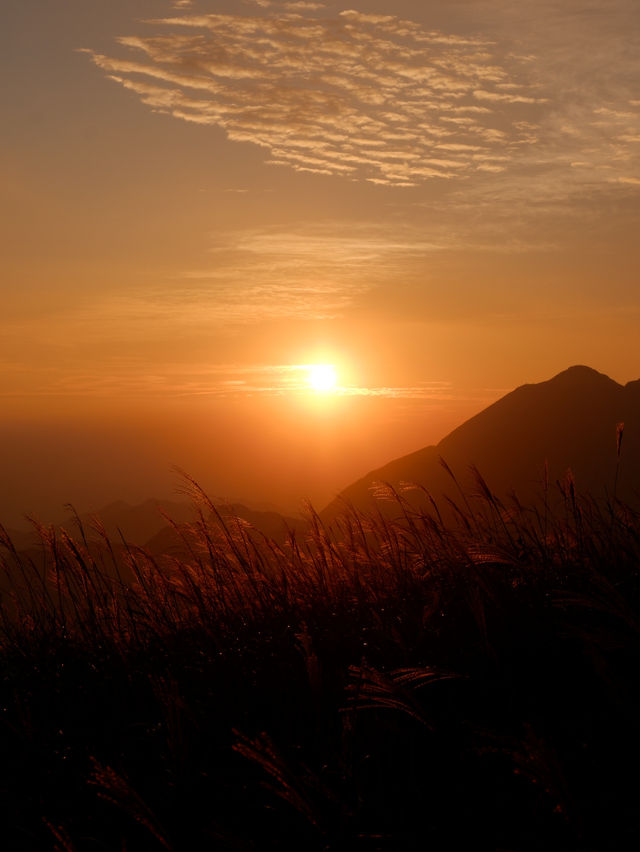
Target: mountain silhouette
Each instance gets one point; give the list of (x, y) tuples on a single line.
[(136, 524), (567, 423), (145, 524), (270, 524)]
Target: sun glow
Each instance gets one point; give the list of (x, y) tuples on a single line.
[(322, 378)]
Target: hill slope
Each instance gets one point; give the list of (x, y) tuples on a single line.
[(569, 421)]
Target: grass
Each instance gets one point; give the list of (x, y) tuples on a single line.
[(391, 683)]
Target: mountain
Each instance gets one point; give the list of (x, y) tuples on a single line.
[(145, 524), (136, 524), (568, 422), (271, 524), (23, 539)]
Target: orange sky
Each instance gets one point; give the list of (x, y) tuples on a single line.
[(440, 198)]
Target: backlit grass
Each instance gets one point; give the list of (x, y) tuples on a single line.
[(385, 684)]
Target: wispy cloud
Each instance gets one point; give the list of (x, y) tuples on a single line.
[(252, 276), (220, 381), (378, 98), (310, 272), (363, 96)]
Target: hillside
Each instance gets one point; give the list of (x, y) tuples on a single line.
[(568, 422)]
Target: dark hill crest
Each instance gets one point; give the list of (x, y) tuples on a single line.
[(566, 422)]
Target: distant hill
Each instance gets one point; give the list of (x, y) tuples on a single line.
[(271, 524), (569, 422), (146, 525), (138, 523)]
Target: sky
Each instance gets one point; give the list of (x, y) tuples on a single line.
[(201, 199)]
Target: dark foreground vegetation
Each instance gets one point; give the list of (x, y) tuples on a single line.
[(383, 685)]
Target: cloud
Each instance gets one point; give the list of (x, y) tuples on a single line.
[(362, 96), (500, 111), (313, 272), (280, 379), (222, 381), (253, 277)]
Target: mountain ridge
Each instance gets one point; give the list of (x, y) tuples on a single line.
[(566, 422)]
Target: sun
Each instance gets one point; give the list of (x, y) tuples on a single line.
[(322, 378)]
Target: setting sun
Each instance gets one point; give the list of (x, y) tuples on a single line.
[(323, 377)]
